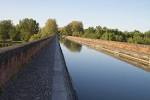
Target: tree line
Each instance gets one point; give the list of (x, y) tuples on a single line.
[(26, 30), (75, 28)]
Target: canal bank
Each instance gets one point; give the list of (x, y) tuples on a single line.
[(99, 76), (132, 53), (62, 87)]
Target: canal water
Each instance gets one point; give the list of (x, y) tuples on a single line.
[(98, 76)]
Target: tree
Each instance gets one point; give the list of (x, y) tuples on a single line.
[(14, 34), (147, 37), (50, 27), (35, 37), (76, 27), (147, 34), (65, 30), (90, 33), (136, 37), (27, 28), (5, 27), (108, 36), (99, 31), (119, 38)]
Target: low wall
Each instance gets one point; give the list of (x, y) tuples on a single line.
[(68, 80), (13, 58), (135, 52)]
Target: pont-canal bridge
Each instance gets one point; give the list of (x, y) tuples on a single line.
[(35, 71)]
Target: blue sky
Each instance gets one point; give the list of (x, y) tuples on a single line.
[(122, 14)]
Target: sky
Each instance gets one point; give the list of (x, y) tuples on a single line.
[(126, 15)]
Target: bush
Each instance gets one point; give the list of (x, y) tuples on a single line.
[(35, 37)]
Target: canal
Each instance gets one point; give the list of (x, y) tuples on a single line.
[(98, 76)]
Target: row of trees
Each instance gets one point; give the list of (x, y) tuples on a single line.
[(75, 28), (27, 29)]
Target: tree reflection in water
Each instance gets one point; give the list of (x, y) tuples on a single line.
[(72, 46)]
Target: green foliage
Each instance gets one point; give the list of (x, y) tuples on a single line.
[(35, 37), (49, 28), (147, 34), (89, 30), (14, 34), (27, 28), (65, 31), (99, 32), (147, 41), (108, 36), (5, 28), (130, 40), (120, 38), (136, 37), (105, 33), (147, 38), (92, 36), (90, 33), (75, 28)]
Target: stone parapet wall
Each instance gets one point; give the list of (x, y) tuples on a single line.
[(14, 57)]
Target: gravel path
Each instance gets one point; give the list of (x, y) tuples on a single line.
[(34, 81)]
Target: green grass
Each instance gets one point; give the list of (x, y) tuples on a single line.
[(9, 43)]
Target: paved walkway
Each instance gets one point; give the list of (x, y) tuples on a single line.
[(44, 78), (62, 86)]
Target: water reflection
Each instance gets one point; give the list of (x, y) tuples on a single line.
[(145, 67), (72, 46), (99, 76)]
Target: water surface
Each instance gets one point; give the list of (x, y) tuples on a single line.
[(97, 76)]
